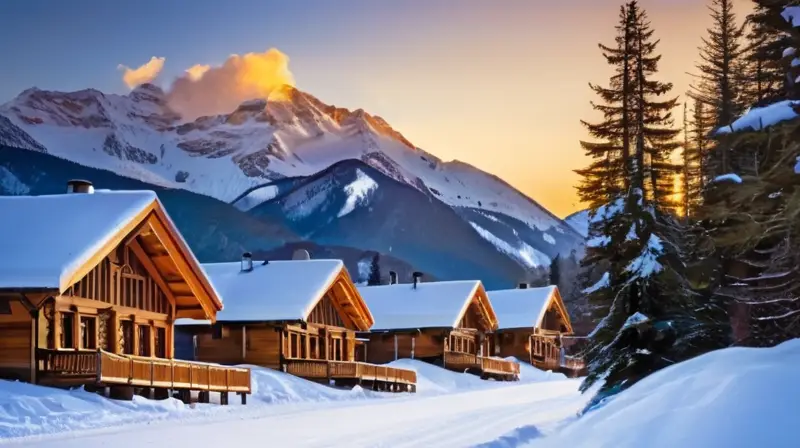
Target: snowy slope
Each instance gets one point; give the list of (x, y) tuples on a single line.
[(736, 397), (442, 414), (138, 135), (579, 221)]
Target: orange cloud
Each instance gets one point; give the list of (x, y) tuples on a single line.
[(197, 71), (145, 73), (204, 90)]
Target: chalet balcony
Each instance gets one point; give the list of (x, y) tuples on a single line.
[(485, 366), (350, 373), (103, 369), (563, 356)]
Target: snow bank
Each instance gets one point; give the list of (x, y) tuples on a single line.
[(28, 410), (432, 379), (737, 397), (530, 374)]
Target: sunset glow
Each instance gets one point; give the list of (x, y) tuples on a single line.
[(502, 88)]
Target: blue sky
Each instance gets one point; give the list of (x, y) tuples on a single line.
[(500, 84)]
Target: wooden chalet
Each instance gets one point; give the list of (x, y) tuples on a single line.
[(298, 316), (534, 326), (90, 286), (445, 323)]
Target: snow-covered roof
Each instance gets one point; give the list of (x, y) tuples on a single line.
[(523, 308), (44, 240), (429, 305), (277, 291), (52, 240)]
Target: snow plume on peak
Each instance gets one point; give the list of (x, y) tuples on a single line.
[(205, 90), (357, 192), (145, 73)]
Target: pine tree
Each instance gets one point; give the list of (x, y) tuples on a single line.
[(722, 57), (697, 128), (608, 174), (719, 87), (765, 77), (755, 224), (634, 236), (555, 270), (656, 136), (375, 271)]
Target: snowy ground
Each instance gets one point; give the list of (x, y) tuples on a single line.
[(449, 410), (730, 398)]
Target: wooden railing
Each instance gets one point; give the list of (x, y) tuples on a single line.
[(459, 361), (320, 368), (499, 365), (68, 364), (109, 368), (573, 363)]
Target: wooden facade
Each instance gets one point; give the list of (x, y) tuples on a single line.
[(321, 346), (543, 342), (110, 324), (467, 347)]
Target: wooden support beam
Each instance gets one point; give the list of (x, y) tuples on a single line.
[(244, 343), (151, 269), (192, 278)]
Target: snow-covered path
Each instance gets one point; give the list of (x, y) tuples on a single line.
[(502, 415)]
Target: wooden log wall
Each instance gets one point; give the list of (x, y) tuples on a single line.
[(121, 280)]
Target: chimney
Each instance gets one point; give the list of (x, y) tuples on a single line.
[(79, 186), (247, 262), (392, 278), (523, 286), (301, 254), (416, 276)]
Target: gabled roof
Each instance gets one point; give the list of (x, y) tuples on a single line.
[(282, 291), (429, 305), (526, 308), (50, 242)]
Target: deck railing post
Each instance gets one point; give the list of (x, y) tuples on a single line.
[(99, 366)]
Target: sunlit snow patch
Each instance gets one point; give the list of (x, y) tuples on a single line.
[(549, 238), (357, 192), (257, 197), (525, 253)]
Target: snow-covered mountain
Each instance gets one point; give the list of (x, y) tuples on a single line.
[(579, 221), (265, 148)]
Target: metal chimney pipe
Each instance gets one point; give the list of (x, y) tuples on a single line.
[(79, 186), (247, 262), (417, 276)]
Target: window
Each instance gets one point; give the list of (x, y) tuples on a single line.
[(126, 341), (88, 332), (5, 305), (161, 342), (216, 331), (144, 340), (314, 347), (67, 330), (293, 348), (303, 353)]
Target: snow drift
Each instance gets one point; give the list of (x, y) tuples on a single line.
[(736, 397)]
